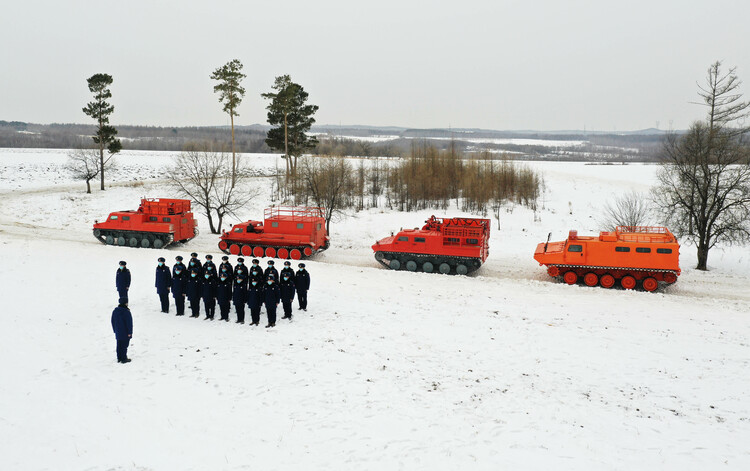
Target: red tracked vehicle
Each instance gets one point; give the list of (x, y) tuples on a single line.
[(286, 232), (630, 254), (157, 223), (444, 245)]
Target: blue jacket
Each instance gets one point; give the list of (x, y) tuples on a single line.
[(255, 296), (122, 322), (271, 271), (239, 292), (224, 291), (302, 280), (287, 291), (179, 285), (195, 264), (287, 271), (122, 280), (193, 288), (163, 279), (208, 288), (271, 295), (179, 265), (228, 266)]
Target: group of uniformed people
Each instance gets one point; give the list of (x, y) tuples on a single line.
[(225, 285)]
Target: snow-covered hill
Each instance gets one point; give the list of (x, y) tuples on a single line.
[(504, 369)]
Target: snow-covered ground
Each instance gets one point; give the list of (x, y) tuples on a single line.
[(504, 369)]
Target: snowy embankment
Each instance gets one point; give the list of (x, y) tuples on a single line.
[(505, 369)]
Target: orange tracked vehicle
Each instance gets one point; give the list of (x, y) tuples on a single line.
[(286, 232), (630, 254), (446, 245), (156, 223)]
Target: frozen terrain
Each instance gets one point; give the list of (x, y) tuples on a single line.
[(504, 369)]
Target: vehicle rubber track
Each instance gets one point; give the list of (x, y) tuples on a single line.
[(276, 248), (428, 263), (156, 240), (621, 271)]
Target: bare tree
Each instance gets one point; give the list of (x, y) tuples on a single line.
[(631, 209), (85, 164), (704, 181), (205, 176), (327, 181)]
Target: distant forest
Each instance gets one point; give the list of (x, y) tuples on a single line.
[(363, 141)]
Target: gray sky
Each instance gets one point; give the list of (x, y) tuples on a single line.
[(545, 65)]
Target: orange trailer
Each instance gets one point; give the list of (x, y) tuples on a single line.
[(630, 254)]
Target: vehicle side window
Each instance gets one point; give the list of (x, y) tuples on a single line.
[(300, 225), (663, 250), (419, 239), (472, 241), (153, 218), (403, 239), (622, 249), (452, 240), (113, 218), (319, 226), (166, 219), (575, 248), (126, 218), (643, 249), (274, 224), (237, 229)]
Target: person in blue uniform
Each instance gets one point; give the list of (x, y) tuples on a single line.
[(122, 280), (302, 282), (271, 298), (195, 264), (163, 284), (271, 270), (210, 267), (239, 297), (256, 272), (288, 270), (208, 292), (255, 300), (240, 268), (194, 290), (179, 265), (179, 289), (122, 325), (286, 288), (226, 267), (224, 295)]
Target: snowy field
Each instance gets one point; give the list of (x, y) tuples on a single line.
[(503, 369)]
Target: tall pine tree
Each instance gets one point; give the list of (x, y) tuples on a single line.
[(100, 110), (230, 93), (289, 111)]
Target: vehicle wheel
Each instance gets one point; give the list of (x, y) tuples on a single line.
[(270, 252), (258, 252), (570, 277), (234, 249), (395, 264), (246, 250), (308, 251), (133, 242), (607, 281), (158, 243), (121, 241), (110, 240), (295, 254), (553, 271), (670, 278), (461, 269), (283, 253), (223, 245), (428, 267), (628, 282), (444, 268), (97, 233), (650, 284), (145, 243), (411, 265), (590, 279)]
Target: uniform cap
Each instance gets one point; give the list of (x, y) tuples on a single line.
[(301, 265), (161, 259), (240, 259), (225, 258), (122, 262), (255, 260), (287, 263), (270, 262), (209, 256), (178, 258), (193, 254)]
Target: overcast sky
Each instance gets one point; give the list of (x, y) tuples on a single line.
[(544, 65)]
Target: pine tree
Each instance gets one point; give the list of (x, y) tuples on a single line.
[(230, 94), (100, 110), (293, 117)]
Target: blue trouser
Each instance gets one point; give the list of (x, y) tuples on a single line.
[(302, 298), (122, 348), (271, 311), (164, 298), (123, 293), (179, 304)]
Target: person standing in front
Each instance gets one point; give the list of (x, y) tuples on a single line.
[(271, 298), (163, 284), (302, 282), (122, 280), (208, 291), (255, 300), (179, 289), (122, 325), (224, 295), (239, 297), (286, 288), (194, 290)]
